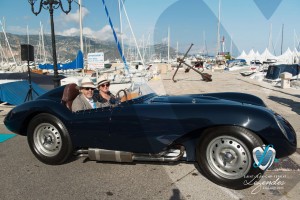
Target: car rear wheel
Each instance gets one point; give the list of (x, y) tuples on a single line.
[(49, 139), (224, 154)]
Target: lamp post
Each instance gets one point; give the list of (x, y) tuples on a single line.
[(51, 5)]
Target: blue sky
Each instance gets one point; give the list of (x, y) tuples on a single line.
[(247, 23)]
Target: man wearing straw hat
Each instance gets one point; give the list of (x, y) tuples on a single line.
[(85, 100)]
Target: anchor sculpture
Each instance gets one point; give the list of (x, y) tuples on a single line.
[(205, 76)]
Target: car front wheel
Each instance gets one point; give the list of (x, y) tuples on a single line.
[(224, 154), (49, 139)]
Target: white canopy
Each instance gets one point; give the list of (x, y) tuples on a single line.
[(288, 57), (267, 55)]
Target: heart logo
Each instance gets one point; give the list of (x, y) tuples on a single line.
[(263, 156), (267, 7)]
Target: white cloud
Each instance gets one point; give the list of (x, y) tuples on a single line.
[(104, 34), (22, 30), (73, 17), (69, 32)]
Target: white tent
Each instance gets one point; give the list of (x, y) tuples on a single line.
[(296, 56), (242, 56), (287, 57), (257, 55), (267, 55), (252, 56)]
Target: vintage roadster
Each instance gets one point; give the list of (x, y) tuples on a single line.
[(216, 130)]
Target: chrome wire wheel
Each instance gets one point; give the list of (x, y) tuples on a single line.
[(228, 157), (47, 139)]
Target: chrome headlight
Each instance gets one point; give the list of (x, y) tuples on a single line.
[(279, 123), (285, 127)]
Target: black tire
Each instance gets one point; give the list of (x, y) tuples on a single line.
[(234, 145), (49, 139)]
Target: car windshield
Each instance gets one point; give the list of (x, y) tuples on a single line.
[(135, 89), (142, 89)]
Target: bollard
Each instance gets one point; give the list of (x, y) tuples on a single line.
[(285, 80)]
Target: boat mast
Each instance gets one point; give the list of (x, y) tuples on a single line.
[(2, 49), (3, 53), (282, 37), (271, 46), (43, 43), (223, 44), (270, 37), (177, 50), (218, 36), (27, 35), (143, 45), (169, 44), (8, 43), (80, 25), (121, 26), (148, 46), (134, 38), (38, 50), (230, 46), (296, 41)]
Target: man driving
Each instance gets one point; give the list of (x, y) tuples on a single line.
[(85, 99)]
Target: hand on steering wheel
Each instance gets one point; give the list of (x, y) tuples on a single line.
[(118, 95)]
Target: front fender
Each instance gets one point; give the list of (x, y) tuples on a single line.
[(19, 117), (260, 120)]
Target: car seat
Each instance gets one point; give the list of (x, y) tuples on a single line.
[(69, 94)]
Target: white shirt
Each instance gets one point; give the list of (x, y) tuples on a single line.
[(92, 102)]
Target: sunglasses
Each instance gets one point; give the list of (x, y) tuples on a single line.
[(105, 85), (87, 88)]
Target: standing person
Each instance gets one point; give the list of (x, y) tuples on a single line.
[(106, 98), (85, 99)]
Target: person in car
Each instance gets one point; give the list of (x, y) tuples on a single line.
[(105, 97), (85, 100)]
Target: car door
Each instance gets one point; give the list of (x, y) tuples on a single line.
[(143, 127), (90, 128), (124, 127)]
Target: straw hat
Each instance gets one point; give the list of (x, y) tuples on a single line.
[(86, 82), (102, 81)]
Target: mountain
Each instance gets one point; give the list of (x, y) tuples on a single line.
[(68, 46)]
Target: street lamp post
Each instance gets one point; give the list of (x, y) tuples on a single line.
[(51, 5)]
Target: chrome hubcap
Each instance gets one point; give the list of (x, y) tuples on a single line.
[(228, 157), (47, 139)]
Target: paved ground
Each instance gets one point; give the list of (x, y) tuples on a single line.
[(24, 177)]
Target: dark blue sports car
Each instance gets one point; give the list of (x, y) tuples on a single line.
[(218, 130)]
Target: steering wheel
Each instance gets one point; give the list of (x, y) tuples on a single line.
[(118, 95)]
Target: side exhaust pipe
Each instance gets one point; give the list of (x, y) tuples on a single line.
[(163, 158), (105, 155), (122, 156)]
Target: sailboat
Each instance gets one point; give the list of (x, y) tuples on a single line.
[(75, 65), (10, 66)]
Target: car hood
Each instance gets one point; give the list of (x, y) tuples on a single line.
[(226, 97)]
